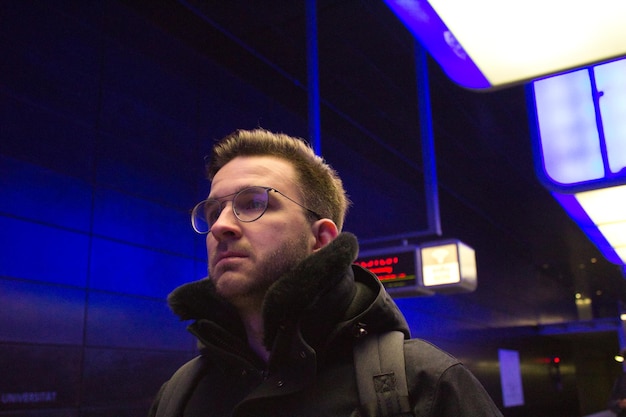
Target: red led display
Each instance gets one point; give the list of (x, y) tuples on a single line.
[(393, 270)]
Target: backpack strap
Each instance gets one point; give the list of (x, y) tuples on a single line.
[(381, 375), (178, 389)]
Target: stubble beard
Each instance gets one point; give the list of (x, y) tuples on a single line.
[(250, 292)]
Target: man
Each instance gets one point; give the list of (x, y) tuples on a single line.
[(283, 305)]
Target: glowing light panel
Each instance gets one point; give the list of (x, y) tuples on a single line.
[(570, 143), (611, 81), (488, 43), (581, 124), (606, 208)]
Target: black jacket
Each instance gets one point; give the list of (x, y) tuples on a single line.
[(312, 316)]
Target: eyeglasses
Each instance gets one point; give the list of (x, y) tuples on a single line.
[(248, 205)]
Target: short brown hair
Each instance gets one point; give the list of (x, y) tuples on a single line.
[(321, 188)]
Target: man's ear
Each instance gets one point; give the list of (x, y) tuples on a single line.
[(325, 231)]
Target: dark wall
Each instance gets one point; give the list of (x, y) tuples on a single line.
[(104, 121)]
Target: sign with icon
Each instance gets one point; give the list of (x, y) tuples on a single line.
[(448, 266), (437, 267)]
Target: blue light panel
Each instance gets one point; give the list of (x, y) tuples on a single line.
[(611, 81), (581, 133), (570, 145)]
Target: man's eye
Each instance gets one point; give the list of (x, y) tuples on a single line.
[(253, 204), (212, 213)]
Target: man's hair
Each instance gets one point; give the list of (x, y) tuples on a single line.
[(321, 188)]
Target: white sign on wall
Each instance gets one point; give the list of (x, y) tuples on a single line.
[(511, 378)]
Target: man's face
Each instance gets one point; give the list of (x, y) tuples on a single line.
[(246, 258)]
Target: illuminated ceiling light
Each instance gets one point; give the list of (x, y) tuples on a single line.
[(488, 43), (618, 358), (606, 208), (622, 317), (605, 205), (580, 150)]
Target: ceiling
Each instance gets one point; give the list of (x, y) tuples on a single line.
[(368, 85)]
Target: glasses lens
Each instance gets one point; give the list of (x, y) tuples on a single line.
[(204, 215), (250, 204)]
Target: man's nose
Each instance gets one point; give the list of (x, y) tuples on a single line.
[(226, 223)]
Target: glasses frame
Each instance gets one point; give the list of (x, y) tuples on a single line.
[(221, 203)]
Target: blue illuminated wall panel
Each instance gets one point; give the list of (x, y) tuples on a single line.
[(130, 269), (38, 313), (128, 322), (54, 142), (141, 222), (146, 171), (33, 192), (38, 252)]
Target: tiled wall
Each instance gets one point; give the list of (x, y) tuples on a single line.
[(102, 121)]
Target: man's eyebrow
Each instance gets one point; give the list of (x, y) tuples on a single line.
[(243, 187)]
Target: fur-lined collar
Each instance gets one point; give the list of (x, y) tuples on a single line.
[(297, 293)]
